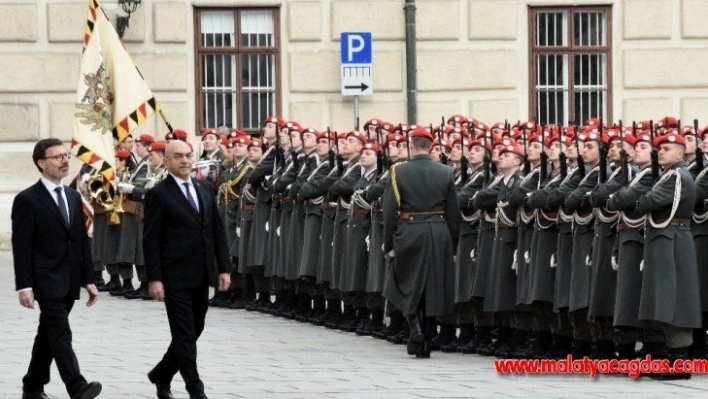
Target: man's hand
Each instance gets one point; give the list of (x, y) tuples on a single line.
[(224, 281), (93, 294), (157, 291), (27, 298)]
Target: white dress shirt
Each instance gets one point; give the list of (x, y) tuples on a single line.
[(192, 190)]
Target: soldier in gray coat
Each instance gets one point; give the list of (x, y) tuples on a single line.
[(578, 202), (421, 229), (343, 189), (670, 291), (630, 252)]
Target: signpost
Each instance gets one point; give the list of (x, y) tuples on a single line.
[(356, 55)]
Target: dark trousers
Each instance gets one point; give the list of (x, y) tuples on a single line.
[(186, 313), (53, 342)]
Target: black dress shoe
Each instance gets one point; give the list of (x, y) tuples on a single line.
[(34, 395), (88, 391), (164, 390), (198, 396)]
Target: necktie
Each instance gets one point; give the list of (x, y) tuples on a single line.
[(190, 198), (62, 206)]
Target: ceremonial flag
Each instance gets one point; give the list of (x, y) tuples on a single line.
[(112, 97)]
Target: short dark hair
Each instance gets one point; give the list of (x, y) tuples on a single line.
[(40, 150), (422, 143)]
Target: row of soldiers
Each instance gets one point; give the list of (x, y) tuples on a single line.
[(555, 226)]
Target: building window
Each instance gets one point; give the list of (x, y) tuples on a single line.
[(570, 64), (237, 59)]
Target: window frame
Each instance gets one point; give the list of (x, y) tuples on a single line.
[(571, 50), (237, 51)]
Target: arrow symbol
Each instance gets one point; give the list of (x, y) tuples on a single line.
[(361, 86)]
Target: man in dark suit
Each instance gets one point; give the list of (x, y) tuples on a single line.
[(52, 259), (185, 251)]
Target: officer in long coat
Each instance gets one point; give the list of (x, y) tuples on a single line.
[(247, 204), (313, 197), (578, 202), (539, 290), (343, 189), (259, 242), (630, 252), (670, 290), (421, 228)]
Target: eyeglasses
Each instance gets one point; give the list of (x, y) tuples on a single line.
[(59, 157)]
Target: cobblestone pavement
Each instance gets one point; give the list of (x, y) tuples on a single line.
[(252, 355)]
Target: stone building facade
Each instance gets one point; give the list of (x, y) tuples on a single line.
[(475, 57)]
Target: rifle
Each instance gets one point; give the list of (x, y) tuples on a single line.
[(379, 155), (580, 162), (443, 157), (408, 138), (699, 152), (624, 162), (562, 157), (603, 157), (330, 153), (544, 159), (654, 153), (487, 162), (527, 164), (277, 148)]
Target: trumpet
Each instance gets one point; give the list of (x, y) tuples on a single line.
[(99, 194), (120, 201), (207, 168)]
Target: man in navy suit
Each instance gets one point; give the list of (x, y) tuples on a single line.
[(52, 260), (185, 251)]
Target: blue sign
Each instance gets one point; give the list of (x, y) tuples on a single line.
[(356, 47)]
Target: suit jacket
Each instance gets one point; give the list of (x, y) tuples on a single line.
[(53, 260), (179, 243)]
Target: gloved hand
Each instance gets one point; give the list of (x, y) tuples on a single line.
[(150, 182), (368, 243), (615, 265), (238, 232), (85, 178), (125, 188)]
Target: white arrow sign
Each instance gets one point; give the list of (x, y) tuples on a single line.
[(357, 80)]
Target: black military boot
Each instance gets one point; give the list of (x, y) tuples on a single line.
[(626, 351), (304, 307), (603, 350), (697, 350), (581, 349), (482, 338), (674, 354), (395, 325), (416, 337), (319, 307), (137, 294), (363, 317), (508, 349), (334, 310), (504, 335), (112, 284), (446, 336), (349, 316), (377, 321), (346, 316), (98, 278), (401, 337), (276, 308), (560, 349), (124, 289), (542, 344), (466, 335)]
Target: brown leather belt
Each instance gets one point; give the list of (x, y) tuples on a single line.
[(621, 226), (673, 222), (551, 215), (504, 226), (248, 207), (286, 200), (326, 206), (410, 215), (358, 211), (310, 203), (277, 196)]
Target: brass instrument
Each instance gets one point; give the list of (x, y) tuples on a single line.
[(98, 193), (207, 168), (120, 201)]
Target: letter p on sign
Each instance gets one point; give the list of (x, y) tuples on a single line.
[(356, 47)]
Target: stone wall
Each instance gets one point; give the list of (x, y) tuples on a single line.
[(472, 59)]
